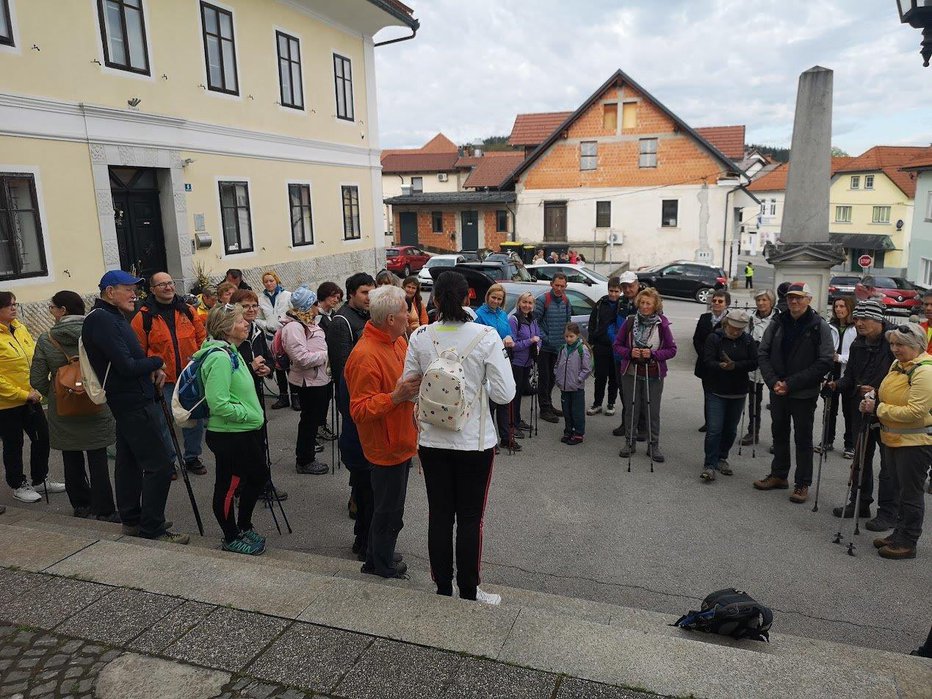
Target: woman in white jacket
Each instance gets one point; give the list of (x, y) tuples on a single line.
[(458, 465), (843, 334), (765, 300), (274, 303), (306, 346)]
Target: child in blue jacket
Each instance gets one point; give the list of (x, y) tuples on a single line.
[(574, 364)]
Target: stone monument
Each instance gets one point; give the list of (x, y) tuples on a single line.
[(803, 252)]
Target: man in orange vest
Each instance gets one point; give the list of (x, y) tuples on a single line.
[(169, 328)]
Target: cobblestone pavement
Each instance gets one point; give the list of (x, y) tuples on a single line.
[(57, 635)]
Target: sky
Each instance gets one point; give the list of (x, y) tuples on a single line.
[(475, 64)]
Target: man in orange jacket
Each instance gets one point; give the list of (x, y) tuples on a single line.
[(169, 328), (381, 407)]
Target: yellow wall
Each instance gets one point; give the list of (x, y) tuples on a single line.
[(862, 201), (67, 33)]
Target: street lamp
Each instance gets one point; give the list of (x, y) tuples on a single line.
[(918, 14)]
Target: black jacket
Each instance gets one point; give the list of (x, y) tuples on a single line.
[(704, 328), (109, 340), (806, 362), (255, 345), (603, 315), (868, 364), (742, 351), (342, 336)]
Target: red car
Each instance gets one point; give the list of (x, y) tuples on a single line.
[(405, 259)]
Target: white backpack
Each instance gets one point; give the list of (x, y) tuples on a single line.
[(441, 399), (93, 387)]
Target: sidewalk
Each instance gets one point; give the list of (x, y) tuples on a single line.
[(84, 609)]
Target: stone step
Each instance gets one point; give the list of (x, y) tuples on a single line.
[(593, 640)]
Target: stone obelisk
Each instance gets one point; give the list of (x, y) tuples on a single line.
[(804, 252)]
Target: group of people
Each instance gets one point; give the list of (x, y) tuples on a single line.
[(572, 257)]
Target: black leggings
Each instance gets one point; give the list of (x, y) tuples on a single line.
[(605, 372), (241, 463), (25, 419), (457, 489), (315, 402), (98, 494)]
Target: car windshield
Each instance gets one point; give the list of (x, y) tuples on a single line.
[(844, 281), (885, 283), (391, 252), (595, 275), (441, 262), (520, 274)]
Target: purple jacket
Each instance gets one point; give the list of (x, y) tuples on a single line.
[(622, 346), (573, 367), (522, 333)]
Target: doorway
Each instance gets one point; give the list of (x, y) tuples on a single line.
[(470, 222), (138, 219), (408, 221), (555, 221)]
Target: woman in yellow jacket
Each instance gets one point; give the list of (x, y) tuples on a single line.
[(21, 409), (904, 409)]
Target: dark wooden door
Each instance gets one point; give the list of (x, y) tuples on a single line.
[(138, 218), (408, 228), (555, 221), (470, 221)]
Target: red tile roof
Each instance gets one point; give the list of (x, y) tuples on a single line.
[(728, 139), (889, 160), (397, 163), (439, 144), (533, 129), (775, 180), (494, 168)]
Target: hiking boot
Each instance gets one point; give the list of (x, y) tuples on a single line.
[(565, 439), (877, 525), (400, 571), (510, 446), (800, 494), (896, 552), (315, 468), (83, 512), (818, 449), (113, 517), (847, 512), (26, 493), (518, 434), (295, 403), (574, 440), (707, 475), (488, 597), (318, 447), (133, 529), (771, 482), (196, 466), (627, 450), (748, 439), (253, 536), (619, 431), (724, 467), (655, 454), (557, 412), (847, 454), (594, 410), (171, 537), (524, 426), (549, 416), (324, 432), (609, 410), (282, 402), (641, 437), (244, 546), (882, 541)]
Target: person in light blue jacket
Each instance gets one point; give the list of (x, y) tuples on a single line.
[(492, 313), (574, 364)]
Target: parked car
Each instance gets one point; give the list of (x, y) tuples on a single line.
[(450, 261), (404, 259), (577, 276), (685, 278), (500, 271), (472, 255), (900, 297)]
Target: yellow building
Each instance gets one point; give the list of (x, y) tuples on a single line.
[(173, 134), (871, 209)]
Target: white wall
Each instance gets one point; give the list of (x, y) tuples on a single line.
[(760, 229)]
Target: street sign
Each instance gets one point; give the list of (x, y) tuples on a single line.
[(865, 261)]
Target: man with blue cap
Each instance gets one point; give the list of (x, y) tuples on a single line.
[(143, 471)]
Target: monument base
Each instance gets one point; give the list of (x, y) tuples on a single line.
[(806, 262)]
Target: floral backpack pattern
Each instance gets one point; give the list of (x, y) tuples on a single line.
[(442, 396)]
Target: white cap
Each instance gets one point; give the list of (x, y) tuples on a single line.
[(628, 278)]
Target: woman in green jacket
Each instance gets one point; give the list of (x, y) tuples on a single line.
[(74, 435), (234, 428)]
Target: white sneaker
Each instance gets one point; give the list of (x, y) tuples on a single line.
[(594, 410), (488, 597), (610, 410), (51, 486), (26, 493)]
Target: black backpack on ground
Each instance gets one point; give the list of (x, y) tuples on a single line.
[(730, 612)]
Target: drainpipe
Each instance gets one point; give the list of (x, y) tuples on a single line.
[(514, 223), (725, 225), (399, 39)]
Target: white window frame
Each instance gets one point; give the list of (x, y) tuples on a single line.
[(647, 157), (420, 188), (877, 214), (35, 171), (234, 179), (773, 207), (855, 182), (868, 181), (588, 155), (358, 236), (843, 209), (310, 187)]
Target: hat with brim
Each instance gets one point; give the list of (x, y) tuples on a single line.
[(628, 278), (117, 277), (737, 319), (798, 289)]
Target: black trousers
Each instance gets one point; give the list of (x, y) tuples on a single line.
[(143, 472), (749, 282), (241, 465), (98, 494), (605, 372), (315, 401), (848, 409), (361, 483), (281, 378), (502, 416), (389, 489), (801, 413), (546, 365), (910, 465), (888, 489), (520, 374), (28, 419), (457, 490)]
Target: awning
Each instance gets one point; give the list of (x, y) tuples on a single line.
[(863, 241), (495, 197)]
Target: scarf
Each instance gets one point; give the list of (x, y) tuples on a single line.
[(304, 317), (643, 327), (716, 319), (273, 295)]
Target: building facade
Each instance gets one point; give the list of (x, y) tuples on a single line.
[(919, 264), (183, 134)]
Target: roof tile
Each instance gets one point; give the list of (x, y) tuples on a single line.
[(728, 139), (494, 168), (889, 160), (533, 129), (396, 163)]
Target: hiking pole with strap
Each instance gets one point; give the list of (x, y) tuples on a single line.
[(333, 432), (860, 485), (650, 427), (844, 503), (755, 425), (179, 458), (270, 493), (826, 414), (741, 429), (631, 421)]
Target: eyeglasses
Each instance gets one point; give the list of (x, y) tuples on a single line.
[(52, 306), (718, 300), (250, 306), (164, 285)]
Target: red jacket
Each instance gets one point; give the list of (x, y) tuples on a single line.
[(158, 342), (386, 431)]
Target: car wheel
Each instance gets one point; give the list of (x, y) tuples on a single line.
[(406, 272), (703, 294)]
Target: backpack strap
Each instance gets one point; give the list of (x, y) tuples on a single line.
[(61, 349), (473, 344)]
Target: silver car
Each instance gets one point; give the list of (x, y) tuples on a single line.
[(427, 282)]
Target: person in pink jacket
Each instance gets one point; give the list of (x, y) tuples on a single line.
[(309, 375)]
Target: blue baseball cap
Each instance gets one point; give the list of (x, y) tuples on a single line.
[(117, 277)]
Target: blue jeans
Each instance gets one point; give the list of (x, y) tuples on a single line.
[(574, 412), (193, 436), (722, 417)]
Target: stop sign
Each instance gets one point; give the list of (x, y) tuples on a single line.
[(865, 261)]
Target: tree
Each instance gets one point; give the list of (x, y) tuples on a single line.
[(496, 143), (839, 153)]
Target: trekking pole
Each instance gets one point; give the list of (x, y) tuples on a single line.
[(271, 493), (535, 403), (630, 432), (179, 458), (333, 432), (865, 437), (826, 412), (650, 427), (857, 449), (741, 429)]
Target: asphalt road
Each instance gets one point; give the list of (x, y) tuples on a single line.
[(572, 521)]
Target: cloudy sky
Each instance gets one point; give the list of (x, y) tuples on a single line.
[(477, 63)]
